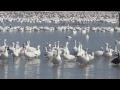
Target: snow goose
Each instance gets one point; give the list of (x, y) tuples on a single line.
[(4, 54), (2, 48), (108, 54), (57, 59), (68, 57), (48, 54), (75, 49), (29, 55), (99, 52), (83, 59), (65, 49)]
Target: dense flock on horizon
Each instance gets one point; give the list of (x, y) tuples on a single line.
[(56, 20), (37, 16)]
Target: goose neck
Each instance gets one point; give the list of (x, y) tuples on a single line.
[(75, 43), (46, 50)]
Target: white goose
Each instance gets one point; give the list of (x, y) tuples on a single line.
[(48, 54), (29, 48), (58, 48), (80, 50), (117, 42), (65, 49), (107, 47), (107, 54), (49, 46), (68, 57), (16, 52), (55, 46), (2, 48), (29, 55), (83, 59), (4, 54), (57, 59), (115, 52), (99, 52), (17, 45), (75, 49)]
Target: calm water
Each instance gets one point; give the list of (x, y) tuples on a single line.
[(42, 69)]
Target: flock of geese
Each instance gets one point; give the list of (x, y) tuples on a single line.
[(57, 54), (16, 50), (58, 16), (74, 29)]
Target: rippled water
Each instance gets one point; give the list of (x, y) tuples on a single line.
[(42, 69)]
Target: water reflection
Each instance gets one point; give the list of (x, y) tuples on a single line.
[(16, 66), (32, 69), (88, 72), (6, 71), (56, 71), (69, 65)]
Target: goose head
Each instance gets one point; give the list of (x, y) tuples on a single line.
[(17, 42), (67, 43), (13, 43), (28, 42), (106, 44), (38, 47), (58, 45)]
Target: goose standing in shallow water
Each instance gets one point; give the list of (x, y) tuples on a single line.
[(57, 59), (83, 59), (48, 54), (108, 54), (69, 57), (29, 55), (28, 47), (80, 50), (65, 49), (4, 54), (75, 49), (2, 48), (99, 52)]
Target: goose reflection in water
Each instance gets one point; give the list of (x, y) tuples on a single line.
[(29, 66), (88, 72), (16, 65), (56, 71), (5, 71)]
